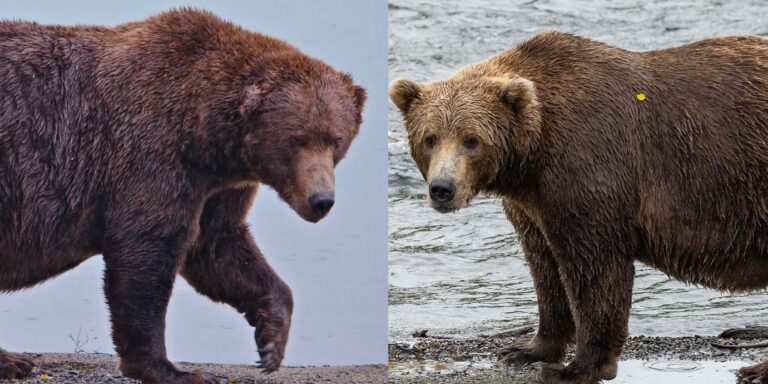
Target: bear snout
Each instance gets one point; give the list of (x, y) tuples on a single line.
[(321, 202), (442, 190)]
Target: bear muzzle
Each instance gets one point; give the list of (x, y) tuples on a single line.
[(321, 202), (442, 190)]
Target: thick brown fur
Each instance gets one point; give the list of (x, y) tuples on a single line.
[(594, 178), (146, 142)]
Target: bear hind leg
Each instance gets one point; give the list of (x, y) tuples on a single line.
[(14, 366), (138, 279)]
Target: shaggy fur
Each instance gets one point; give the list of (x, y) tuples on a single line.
[(146, 143), (594, 176)]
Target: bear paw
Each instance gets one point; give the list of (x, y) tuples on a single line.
[(14, 366), (271, 337), (273, 324), (549, 373), (757, 373), (530, 352), (271, 357)]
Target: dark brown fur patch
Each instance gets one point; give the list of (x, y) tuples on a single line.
[(654, 156), (145, 142)]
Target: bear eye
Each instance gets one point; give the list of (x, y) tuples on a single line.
[(298, 141), (430, 141), (471, 142), (337, 142)]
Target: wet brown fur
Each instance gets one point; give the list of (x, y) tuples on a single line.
[(677, 181), (146, 142)]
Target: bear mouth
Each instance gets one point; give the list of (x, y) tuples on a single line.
[(446, 207), (305, 210), (310, 215)]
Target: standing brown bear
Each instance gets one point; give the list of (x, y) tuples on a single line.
[(602, 157), (146, 143)]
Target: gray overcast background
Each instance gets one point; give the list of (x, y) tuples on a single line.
[(337, 268)]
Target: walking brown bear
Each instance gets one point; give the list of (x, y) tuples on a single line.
[(146, 143), (602, 157)]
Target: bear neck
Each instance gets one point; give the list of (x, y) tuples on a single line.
[(518, 176)]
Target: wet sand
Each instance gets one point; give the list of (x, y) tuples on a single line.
[(83, 368), (659, 360)]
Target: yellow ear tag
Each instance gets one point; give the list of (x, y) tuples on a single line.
[(45, 377), (640, 96)]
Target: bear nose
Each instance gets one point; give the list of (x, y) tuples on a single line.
[(442, 190), (321, 202)]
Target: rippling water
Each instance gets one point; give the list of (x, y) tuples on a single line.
[(464, 273)]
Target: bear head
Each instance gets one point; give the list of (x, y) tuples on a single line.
[(298, 124), (469, 134), (284, 120)]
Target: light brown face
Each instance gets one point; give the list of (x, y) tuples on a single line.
[(462, 133), (299, 132), (451, 177)]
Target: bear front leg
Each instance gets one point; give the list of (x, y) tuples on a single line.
[(556, 327), (598, 280), (139, 277), (226, 265)]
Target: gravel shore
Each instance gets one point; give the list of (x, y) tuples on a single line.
[(101, 369), (472, 360)]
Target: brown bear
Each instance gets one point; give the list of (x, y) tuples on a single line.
[(146, 143), (604, 156)]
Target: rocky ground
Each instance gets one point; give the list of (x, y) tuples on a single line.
[(440, 359), (101, 369)]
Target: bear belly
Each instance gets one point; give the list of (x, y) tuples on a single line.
[(716, 240), (45, 251), (26, 274), (731, 268)]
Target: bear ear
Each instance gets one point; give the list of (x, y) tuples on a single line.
[(252, 98), (360, 97), (403, 93), (520, 95)]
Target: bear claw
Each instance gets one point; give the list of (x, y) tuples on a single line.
[(529, 352), (548, 372), (516, 354), (269, 362)]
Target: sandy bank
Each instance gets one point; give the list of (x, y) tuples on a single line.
[(100, 369)]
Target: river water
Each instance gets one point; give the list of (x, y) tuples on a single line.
[(464, 273)]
